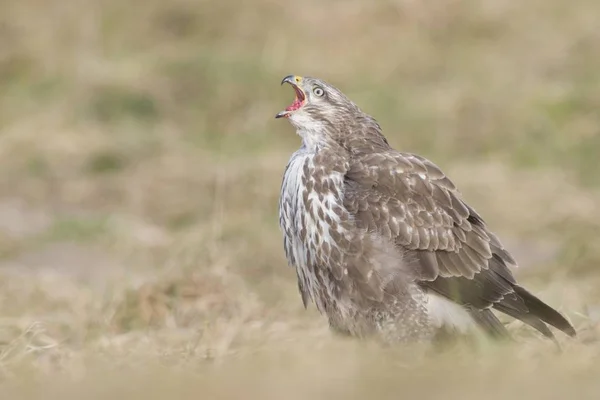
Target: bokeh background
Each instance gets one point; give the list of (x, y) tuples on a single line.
[(140, 167)]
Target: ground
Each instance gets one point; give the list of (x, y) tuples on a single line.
[(141, 164)]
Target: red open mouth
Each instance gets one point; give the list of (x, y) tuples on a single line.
[(296, 105), (298, 101)]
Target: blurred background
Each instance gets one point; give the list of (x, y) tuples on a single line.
[(140, 168)]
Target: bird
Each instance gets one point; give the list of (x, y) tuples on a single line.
[(382, 241)]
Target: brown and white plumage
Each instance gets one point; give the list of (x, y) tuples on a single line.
[(381, 240)]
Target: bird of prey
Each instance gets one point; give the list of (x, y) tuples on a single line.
[(382, 241)]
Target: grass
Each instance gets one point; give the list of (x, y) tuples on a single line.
[(141, 163)]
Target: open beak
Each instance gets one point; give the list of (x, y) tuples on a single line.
[(300, 99)]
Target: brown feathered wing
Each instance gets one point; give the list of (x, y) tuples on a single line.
[(408, 200)]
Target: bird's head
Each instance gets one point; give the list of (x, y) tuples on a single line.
[(323, 115), (317, 104)]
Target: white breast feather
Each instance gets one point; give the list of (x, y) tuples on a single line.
[(292, 207)]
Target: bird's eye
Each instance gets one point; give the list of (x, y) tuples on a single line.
[(318, 91)]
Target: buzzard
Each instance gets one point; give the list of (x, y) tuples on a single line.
[(382, 241)]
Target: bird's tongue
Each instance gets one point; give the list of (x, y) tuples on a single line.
[(295, 105)]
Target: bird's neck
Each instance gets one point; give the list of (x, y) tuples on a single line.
[(354, 134), (315, 140), (366, 136)]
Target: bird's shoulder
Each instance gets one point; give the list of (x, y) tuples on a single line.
[(372, 168)]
